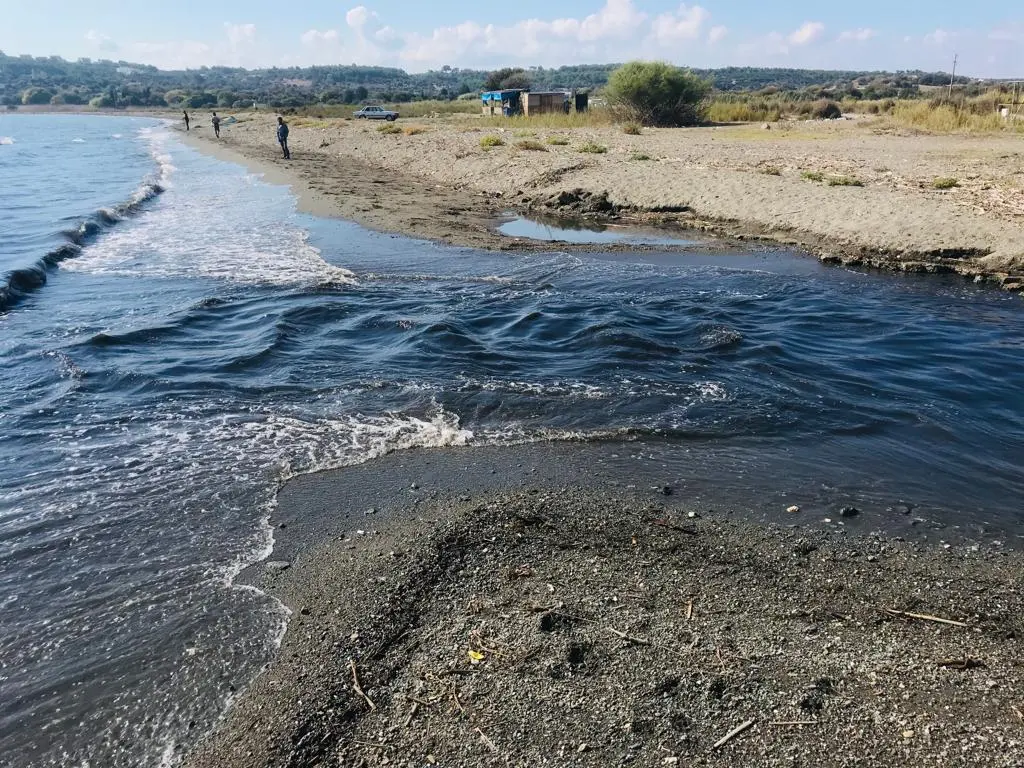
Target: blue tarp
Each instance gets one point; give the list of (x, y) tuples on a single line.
[(498, 95)]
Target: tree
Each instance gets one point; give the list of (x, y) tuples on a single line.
[(361, 93), (658, 93), (507, 78), (36, 96)]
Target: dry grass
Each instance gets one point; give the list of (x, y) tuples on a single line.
[(770, 170), (558, 141), (632, 129), (595, 118), (812, 176), (389, 128), (414, 130), (639, 157), (945, 183), (531, 145), (731, 110), (487, 142), (947, 118)]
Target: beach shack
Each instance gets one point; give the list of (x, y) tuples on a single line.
[(546, 103), (502, 103)]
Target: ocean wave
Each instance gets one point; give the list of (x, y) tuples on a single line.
[(6, 141), (19, 283)]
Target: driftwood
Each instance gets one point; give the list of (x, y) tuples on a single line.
[(358, 688), (733, 733), (924, 617)]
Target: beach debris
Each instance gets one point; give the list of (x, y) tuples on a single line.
[(793, 509), (689, 609), (733, 733), (277, 565), (665, 523), (475, 657), (849, 512), (966, 662), (487, 742), (358, 688), (924, 617)]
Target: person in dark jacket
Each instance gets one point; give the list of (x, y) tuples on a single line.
[(216, 125), (282, 137), (185, 112)]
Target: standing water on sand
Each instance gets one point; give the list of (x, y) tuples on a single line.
[(197, 342)]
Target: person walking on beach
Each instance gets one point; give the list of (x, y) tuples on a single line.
[(282, 137), (216, 125), (185, 112)]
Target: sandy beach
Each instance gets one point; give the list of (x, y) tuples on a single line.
[(435, 181), (543, 625)]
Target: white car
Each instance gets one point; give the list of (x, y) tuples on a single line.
[(376, 113)]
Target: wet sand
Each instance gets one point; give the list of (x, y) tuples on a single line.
[(736, 182), (534, 623)]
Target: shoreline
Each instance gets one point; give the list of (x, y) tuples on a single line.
[(436, 187), (603, 626)]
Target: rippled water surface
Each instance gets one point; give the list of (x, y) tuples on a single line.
[(197, 341)]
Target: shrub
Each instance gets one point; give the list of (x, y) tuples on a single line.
[(591, 148), (389, 128), (415, 130), (813, 176), (770, 170), (639, 156), (531, 145), (657, 93), (844, 181), (632, 129), (558, 141), (524, 134), (945, 183), (492, 141), (826, 110)]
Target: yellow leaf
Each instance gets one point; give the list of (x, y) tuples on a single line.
[(475, 657)]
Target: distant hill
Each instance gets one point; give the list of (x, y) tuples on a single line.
[(53, 80)]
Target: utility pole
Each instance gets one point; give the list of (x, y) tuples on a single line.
[(952, 77)]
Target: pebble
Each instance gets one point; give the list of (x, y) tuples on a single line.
[(793, 510), (277, 565), (849, 512)]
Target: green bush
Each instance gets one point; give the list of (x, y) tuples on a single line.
[(591, 148), (844, 181), (657, 93), (771, 170), (945, 183), (826, 110), (531, 145), (36, 96), (558, 141), (492, 141), (389, 128), (639, 156), (813, 176)]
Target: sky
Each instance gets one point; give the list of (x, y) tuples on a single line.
[(986, 35)]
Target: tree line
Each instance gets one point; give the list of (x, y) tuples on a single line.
[(112, 84)]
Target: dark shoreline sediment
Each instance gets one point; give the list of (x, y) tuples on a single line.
[(549, 625)]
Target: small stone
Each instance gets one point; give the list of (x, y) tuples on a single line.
[(282, 526), (304, 611), (414, 487), (582, 747), (849, 512), (793, 509), (277, 565), (908, 734), (692, 515), (666, 490)]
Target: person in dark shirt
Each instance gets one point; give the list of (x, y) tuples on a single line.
[(216, 125), (282, 137), (185, 112)]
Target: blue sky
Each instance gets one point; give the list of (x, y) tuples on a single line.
[(988, 35)]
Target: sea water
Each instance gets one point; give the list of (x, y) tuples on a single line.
[(176, 341)]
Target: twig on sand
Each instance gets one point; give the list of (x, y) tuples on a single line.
[(641, 641), (412, 713), (733, 733), (689, 610), (793, 722), (965, 663), (924, 617), (662, 523), (483, 737), (358, 688)]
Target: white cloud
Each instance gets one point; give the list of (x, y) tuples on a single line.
[(938, 37), (316, 37), (861, 35), (240, 34), (717, 34), (808, 32), (684, 24), (359, 17), (100, 41)]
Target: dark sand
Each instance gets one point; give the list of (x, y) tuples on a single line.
[(548, 625)]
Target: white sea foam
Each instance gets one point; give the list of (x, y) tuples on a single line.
[(78, 141), (6, 141)]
